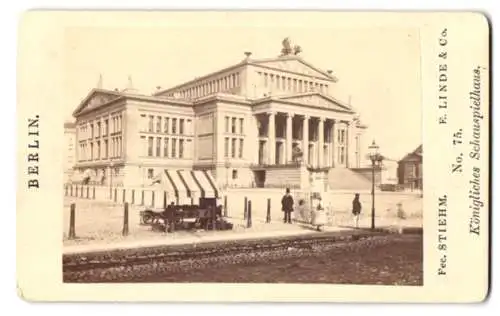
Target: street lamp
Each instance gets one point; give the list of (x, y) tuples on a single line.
[(376, 159)]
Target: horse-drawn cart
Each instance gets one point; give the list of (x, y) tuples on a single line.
[(206, 215)]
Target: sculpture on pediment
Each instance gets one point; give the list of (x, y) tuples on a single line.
[(297, 154), (297, 50), (356, 120), (288, 49)]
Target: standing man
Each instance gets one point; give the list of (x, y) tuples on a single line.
[(287, 206), (356, 209)]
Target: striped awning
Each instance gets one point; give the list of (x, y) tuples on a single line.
[(192, 183)]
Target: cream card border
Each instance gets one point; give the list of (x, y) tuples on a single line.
[(40, 85)]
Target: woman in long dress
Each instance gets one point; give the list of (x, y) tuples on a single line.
[(319, 219)]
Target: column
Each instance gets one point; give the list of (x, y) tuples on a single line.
[(305, 139), (350, 146), (333, 146), (289, 120), (271, 137), (321, 140)]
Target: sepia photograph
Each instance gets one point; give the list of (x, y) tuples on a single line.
[(255, 155)]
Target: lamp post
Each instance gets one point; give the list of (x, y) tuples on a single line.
[(376, 159)]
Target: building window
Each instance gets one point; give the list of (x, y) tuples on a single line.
[(226, 147), (233, 125), (226, 124), (120, 147), (240, 149), (165, 147), (158, 146), (181, 126), (105, 149), (165, 128), (235, 174), (91, 151), (150, 123), (106, 127), (91, 130), (98, 129), (158, 124), (233, 148), (150, 146), (150, 173), (188, 127), (174, 126), (174, 149), (98, 145), (181, 148), (242, 129)]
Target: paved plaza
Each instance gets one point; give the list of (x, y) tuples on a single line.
[(99, 224)]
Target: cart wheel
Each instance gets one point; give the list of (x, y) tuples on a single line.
[(147, 219)]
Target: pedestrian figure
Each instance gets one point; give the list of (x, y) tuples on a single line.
[(319, 219), (356, 209), (287, 206), (303, 212)]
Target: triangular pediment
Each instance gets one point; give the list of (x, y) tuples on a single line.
[(319, 100), (95, 99), (294, 65)]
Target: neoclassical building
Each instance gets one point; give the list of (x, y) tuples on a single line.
[(70, 153), (260, 122)]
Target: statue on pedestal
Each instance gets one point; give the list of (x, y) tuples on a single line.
[(288, 49)]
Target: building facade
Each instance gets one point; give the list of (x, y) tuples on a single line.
[(260, 122), (410, 172), (70, 153)]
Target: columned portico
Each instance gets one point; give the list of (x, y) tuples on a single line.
[(305, 139), (333, 145), (321, 141), (272, 137), (289, 137)]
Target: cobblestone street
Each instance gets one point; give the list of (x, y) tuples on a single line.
[(390, 260)]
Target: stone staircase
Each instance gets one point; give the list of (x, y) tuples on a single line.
[(346, 179), (283, 176)]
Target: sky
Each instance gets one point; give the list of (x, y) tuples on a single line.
[(378, 68)]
